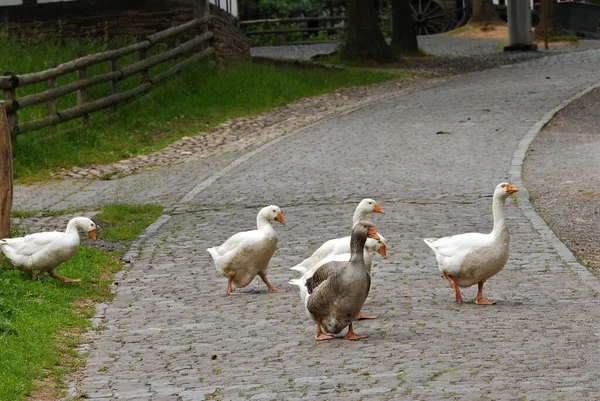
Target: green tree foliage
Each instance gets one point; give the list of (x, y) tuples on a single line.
[(262, 9)]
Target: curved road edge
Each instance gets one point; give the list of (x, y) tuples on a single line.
[(515, 176)]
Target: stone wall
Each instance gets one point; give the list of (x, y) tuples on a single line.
[(230, 43), (118, 18)]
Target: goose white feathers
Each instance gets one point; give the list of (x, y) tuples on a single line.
[(43, 252), (339, 245), (247, 254), (371, 246), (335, 293), (473, 258)]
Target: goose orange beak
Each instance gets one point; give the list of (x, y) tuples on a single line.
[(279, 218), (377, 209), (373, 234), (382, 251), (511, 190), (92, 234)]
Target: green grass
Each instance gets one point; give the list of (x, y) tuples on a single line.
[(199, 98), (41, 321), (119, 221)]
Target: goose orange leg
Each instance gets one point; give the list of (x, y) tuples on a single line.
[(61, 278), (458, 297), (362, 316), (320, 336), (270, 287), (479, 299), (230, 288), (351, 335)]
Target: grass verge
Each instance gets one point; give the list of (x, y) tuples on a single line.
[(42, 321)]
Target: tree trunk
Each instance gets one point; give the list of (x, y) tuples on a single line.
[(554, 27), (364, 41), (404, 35), (6, 174), (484, 12)]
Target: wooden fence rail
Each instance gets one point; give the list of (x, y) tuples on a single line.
[(198, 46), (280, 29)]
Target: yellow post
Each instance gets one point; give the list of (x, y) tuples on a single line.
[(545, 11)]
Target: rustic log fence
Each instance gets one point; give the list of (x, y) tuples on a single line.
[(6, 174), (198, 46), (279, 27)]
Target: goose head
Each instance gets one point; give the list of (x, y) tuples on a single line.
[(503, 190), (365, 229), (272, 213), (86, 225), (379, 246), (368, 205)]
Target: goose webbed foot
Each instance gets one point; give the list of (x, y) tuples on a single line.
[(362, 316), (351, 335), (63, 279), (479, 299), (320, 336)]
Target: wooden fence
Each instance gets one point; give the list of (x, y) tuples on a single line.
[(198, 46), (280, 28)]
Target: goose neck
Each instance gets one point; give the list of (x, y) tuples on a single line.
[(359, 215), (263, 223), (498, 213), (72, 226), (357, 247)]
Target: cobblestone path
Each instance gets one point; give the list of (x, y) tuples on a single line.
[(173, 334)]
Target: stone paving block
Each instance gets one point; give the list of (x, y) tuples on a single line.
[(172, 317)]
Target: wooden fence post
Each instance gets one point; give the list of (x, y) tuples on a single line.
[(52, 102), (201, 8), (10, 95), (6, 174), (82, 93), (144, 72), (114, 82)]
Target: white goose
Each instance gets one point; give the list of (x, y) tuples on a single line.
[(472, 258), (43, 252), (247, 254), (339, 245)]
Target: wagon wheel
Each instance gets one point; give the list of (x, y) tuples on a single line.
[(429, 16)]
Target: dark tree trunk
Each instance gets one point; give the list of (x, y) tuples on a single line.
[(554, 27), (484, 12), (364, 39), (404, 35)]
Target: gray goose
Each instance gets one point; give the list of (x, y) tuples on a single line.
[(336, 292)]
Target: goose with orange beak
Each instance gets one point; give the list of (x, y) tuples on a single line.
[(42, 252), (341, 245), (372, 245), (473, 258), (247, 254), (335, 293)]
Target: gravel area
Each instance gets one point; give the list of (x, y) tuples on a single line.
[(562, 172)]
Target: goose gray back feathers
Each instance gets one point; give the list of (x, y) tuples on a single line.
[(339, 289)]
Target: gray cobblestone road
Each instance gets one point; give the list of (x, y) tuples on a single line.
[(173, 334)]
